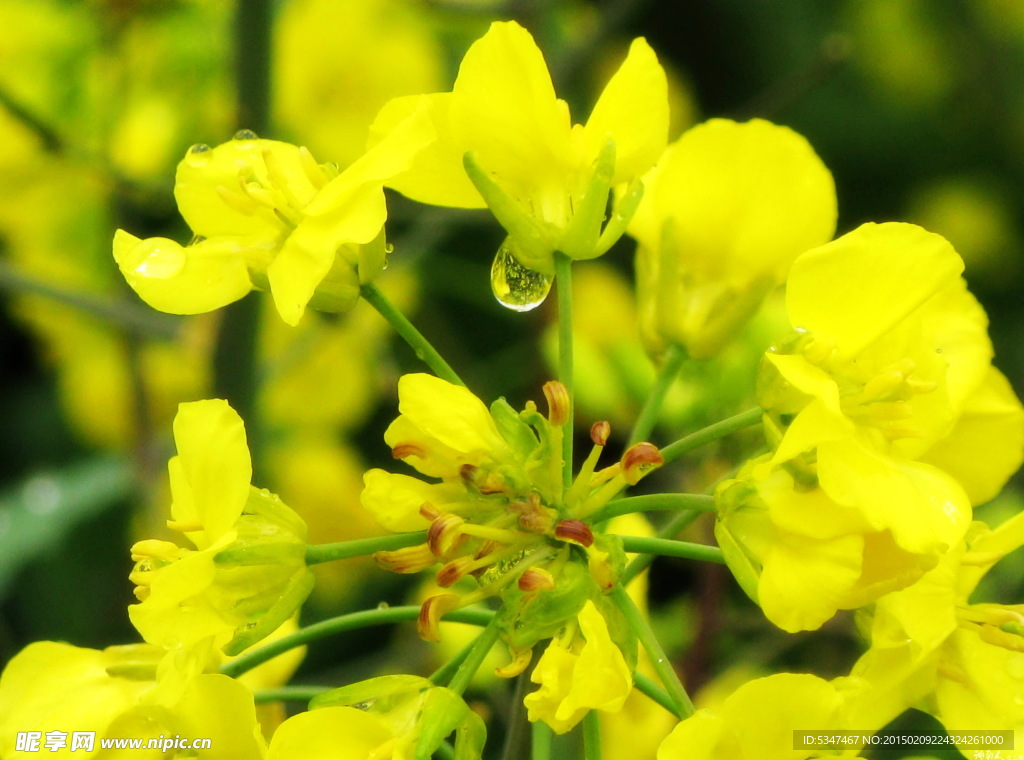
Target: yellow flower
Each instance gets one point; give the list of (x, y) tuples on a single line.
[(124, 691), (934, 649), (801, 555), (400, 717), (500, 513), (266, 215), (758, 721), (248, 573), (885, 396), (577, 677), (506, 141), (888, 422), (725, 212)]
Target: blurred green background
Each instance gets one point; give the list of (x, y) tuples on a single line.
[(915, 105)]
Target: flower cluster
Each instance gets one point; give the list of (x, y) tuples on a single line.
[(500, 515)]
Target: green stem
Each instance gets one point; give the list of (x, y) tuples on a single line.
[(444, 673), (540, 745), (288, 694), (341, 624), (318, 553), (592, 736), (655, 501), (683, 707), (711, 433), (563, 279), (469, 667), (670, 530), (419, 344), (648, 687), (669, 548), (674, 359)]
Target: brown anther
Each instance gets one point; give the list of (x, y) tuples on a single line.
[(410, 559), (559, 403), (640, 459), (429, 620), (408, 449), (600, 431), (429, 512), (443, 534), (449, 574), (468, 472), (574, 531), (536, 579)]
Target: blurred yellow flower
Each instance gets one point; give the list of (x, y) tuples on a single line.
[(725, 212)]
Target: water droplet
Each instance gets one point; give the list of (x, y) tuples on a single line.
[(389, 249), (159, 258), (516, 287), (383, 606), (200, 148), (245, 134), (172, 642)]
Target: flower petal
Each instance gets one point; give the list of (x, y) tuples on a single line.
[(633, 111), (211, 477), (853, 290)]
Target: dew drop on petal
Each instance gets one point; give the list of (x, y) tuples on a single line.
[(158, 258), (245, 134), (200, 148), (516, 287)]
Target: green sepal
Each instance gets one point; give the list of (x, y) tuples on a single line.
[(294, 594), (729, 496), (534, 245), (442, 712), (377, 692), (622, 215), (580, 240), (519, 436), (529, 617)]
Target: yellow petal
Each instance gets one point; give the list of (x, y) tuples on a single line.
[(505, 110), (330, 733), (395, 500), (203, 178), (449, 414), (633, 111), (213, 468), (436, 175), (926, 510), (183, 280), (855, 289), (220, 709), (699, 737), (986, 445)]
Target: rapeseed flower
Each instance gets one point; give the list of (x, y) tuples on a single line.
[(507, 142), (398, 717), (757, 721), (887, 417), (267, 216), (725, 212), (933, 648), (582, 669), (136, 690), (247, 573), (499, 513)]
